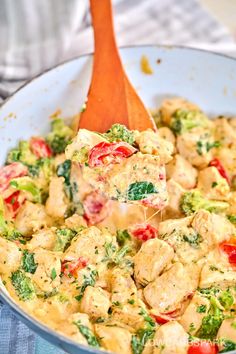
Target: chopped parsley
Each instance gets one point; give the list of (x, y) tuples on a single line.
[(53, 274), (201, 309)]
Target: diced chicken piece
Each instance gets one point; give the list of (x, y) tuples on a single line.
[(171, 105), (75, 221), (187, 243), (89, 244), (95, 302), (227, 158), (32, 217), (44, 238), (149, 142), (227, 330), (175, 192), (215, 228), (170, 338), (194, 313), (175, 281), (232, 203), (130, 315), (187, 146), (70, 329), (57, 202), (180, 170), (167, 134), (84, 138), (10, 256), (217, 274), (122, 287), (212, 184), (47, 274), (168, 226), (152, 258), (117, 181), (115, 339), (224, 132)]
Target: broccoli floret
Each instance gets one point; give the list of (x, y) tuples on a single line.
[(122, 237), (28, 263), (194, 201), (64, 237), (27, 185), (60, 136), (212, 321), (119, 132), (22, 154), (226, 299), (7, 229), (23, 285), (183, 121), (81, 155)]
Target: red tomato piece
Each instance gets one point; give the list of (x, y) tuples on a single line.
[(144, 232), (8, 172), (202, 347), (162, 319), (217, 164), (14, 202), (96, 208), (106, 153), (71, 268), (229, 248), (40, 148)]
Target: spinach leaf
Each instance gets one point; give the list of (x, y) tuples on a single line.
[(89, 280), (140, 190), (64, 170), (88, 335)]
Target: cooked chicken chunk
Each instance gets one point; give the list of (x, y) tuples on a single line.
[(123, 287), (191, 320), (151, 259), (47, 274), (175, 281), (115, 339), (57, 202), (175, 192), (10, 256), (170, 338), (227, 330), (149, 142), (44, 238), (32, 217), (182, 172), (212, 184), (95, 302)]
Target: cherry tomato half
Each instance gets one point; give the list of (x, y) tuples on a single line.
[(40, 148), (96, 208), (202, 347), (229, 248), (70, 268), (107, 153), (8, 172), (144, 232), (217, 164)]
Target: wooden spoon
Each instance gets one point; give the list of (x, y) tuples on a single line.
[(111, 97)]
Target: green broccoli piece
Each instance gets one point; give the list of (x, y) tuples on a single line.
[(81, 155), (7, 229), (194, 201), (119, 132), (63, 239), (122, 237), (226, 299), (27, 185), (212, 321), (183, 121), (28, 263), (22, 154), (60, 136), (23, 285)]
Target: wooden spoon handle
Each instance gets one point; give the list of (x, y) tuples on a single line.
[(107, 86)]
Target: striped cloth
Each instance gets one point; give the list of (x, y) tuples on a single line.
[(36, 35)]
